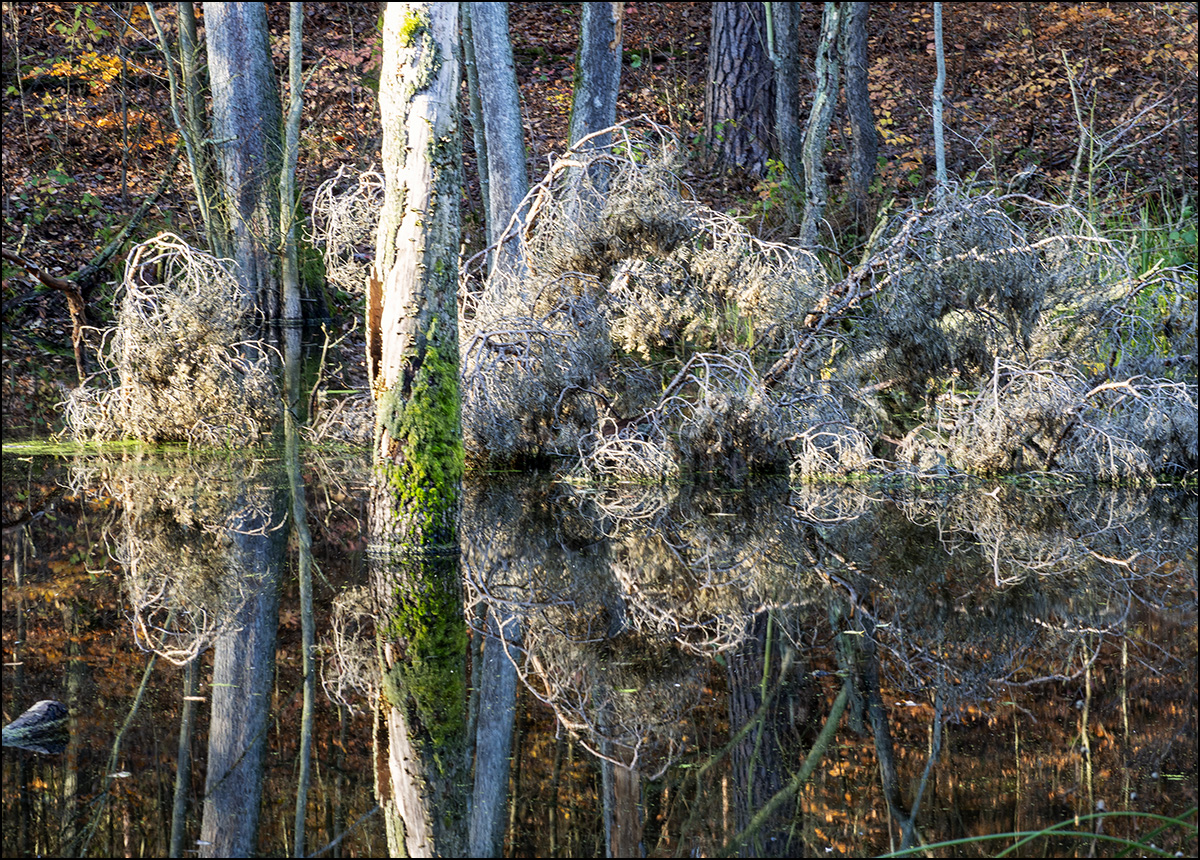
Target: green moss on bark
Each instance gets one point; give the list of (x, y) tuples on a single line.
[(415, 24), (425, 466), (428, 678), (415, 32)]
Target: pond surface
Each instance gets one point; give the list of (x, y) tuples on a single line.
[(668, 671)]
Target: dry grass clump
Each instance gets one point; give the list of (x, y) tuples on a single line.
[(350, 670), (1055, 355), (607, 631), (627, 334), (180, 360), (827, 440), (1134, 324), (346, 419), (965, 282), (529, 378), (643, 337)]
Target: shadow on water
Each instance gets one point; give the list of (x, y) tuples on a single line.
[(623, 670)]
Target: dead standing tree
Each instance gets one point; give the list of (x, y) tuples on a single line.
[(413, 363)]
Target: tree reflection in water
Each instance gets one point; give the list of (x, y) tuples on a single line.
[(624, 596), (652, 669)]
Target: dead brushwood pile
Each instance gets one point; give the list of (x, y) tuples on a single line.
[(627, 328), (180, 364), (639, 335)]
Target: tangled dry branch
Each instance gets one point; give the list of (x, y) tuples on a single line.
[(345, 214), (641, 336), (179, 365)]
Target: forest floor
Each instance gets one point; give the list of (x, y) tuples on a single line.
[(84, 142)]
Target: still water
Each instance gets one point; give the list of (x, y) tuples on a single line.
[(630, 670)]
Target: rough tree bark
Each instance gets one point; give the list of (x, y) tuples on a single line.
[(597, 71), (863, 143), (738, 98), (415, 495), (246, 128), (594, 101), (785, 55), (824, 100)]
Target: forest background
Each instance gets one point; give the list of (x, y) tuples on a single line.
[(88, 135), (89, 139)]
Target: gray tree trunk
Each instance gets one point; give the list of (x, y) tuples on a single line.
[(594, 104), (738, 98), (288, 204), (416, 491), (785, 19), (863, 142), (493, 739), (597, 72), (193, 126), (476, 108), (246, 129), (243, 674), (815, 133), (508, 181), (939, 87)]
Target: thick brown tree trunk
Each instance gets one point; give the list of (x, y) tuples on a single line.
[(738, 100)]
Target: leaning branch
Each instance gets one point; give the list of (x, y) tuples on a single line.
[(74, 302), (73, 285)]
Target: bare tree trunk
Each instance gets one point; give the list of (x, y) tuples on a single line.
[(597, 71), (416, 260), (246, 128), (505, 139), (819, 118), (939, 87), (493, 738), (476, 107), (863, 143), (594, 104), (193, 130), (785, 54), (288, 203), (738, 99)]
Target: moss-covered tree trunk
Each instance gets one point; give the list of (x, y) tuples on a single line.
[(414, 324), (413, 360)]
